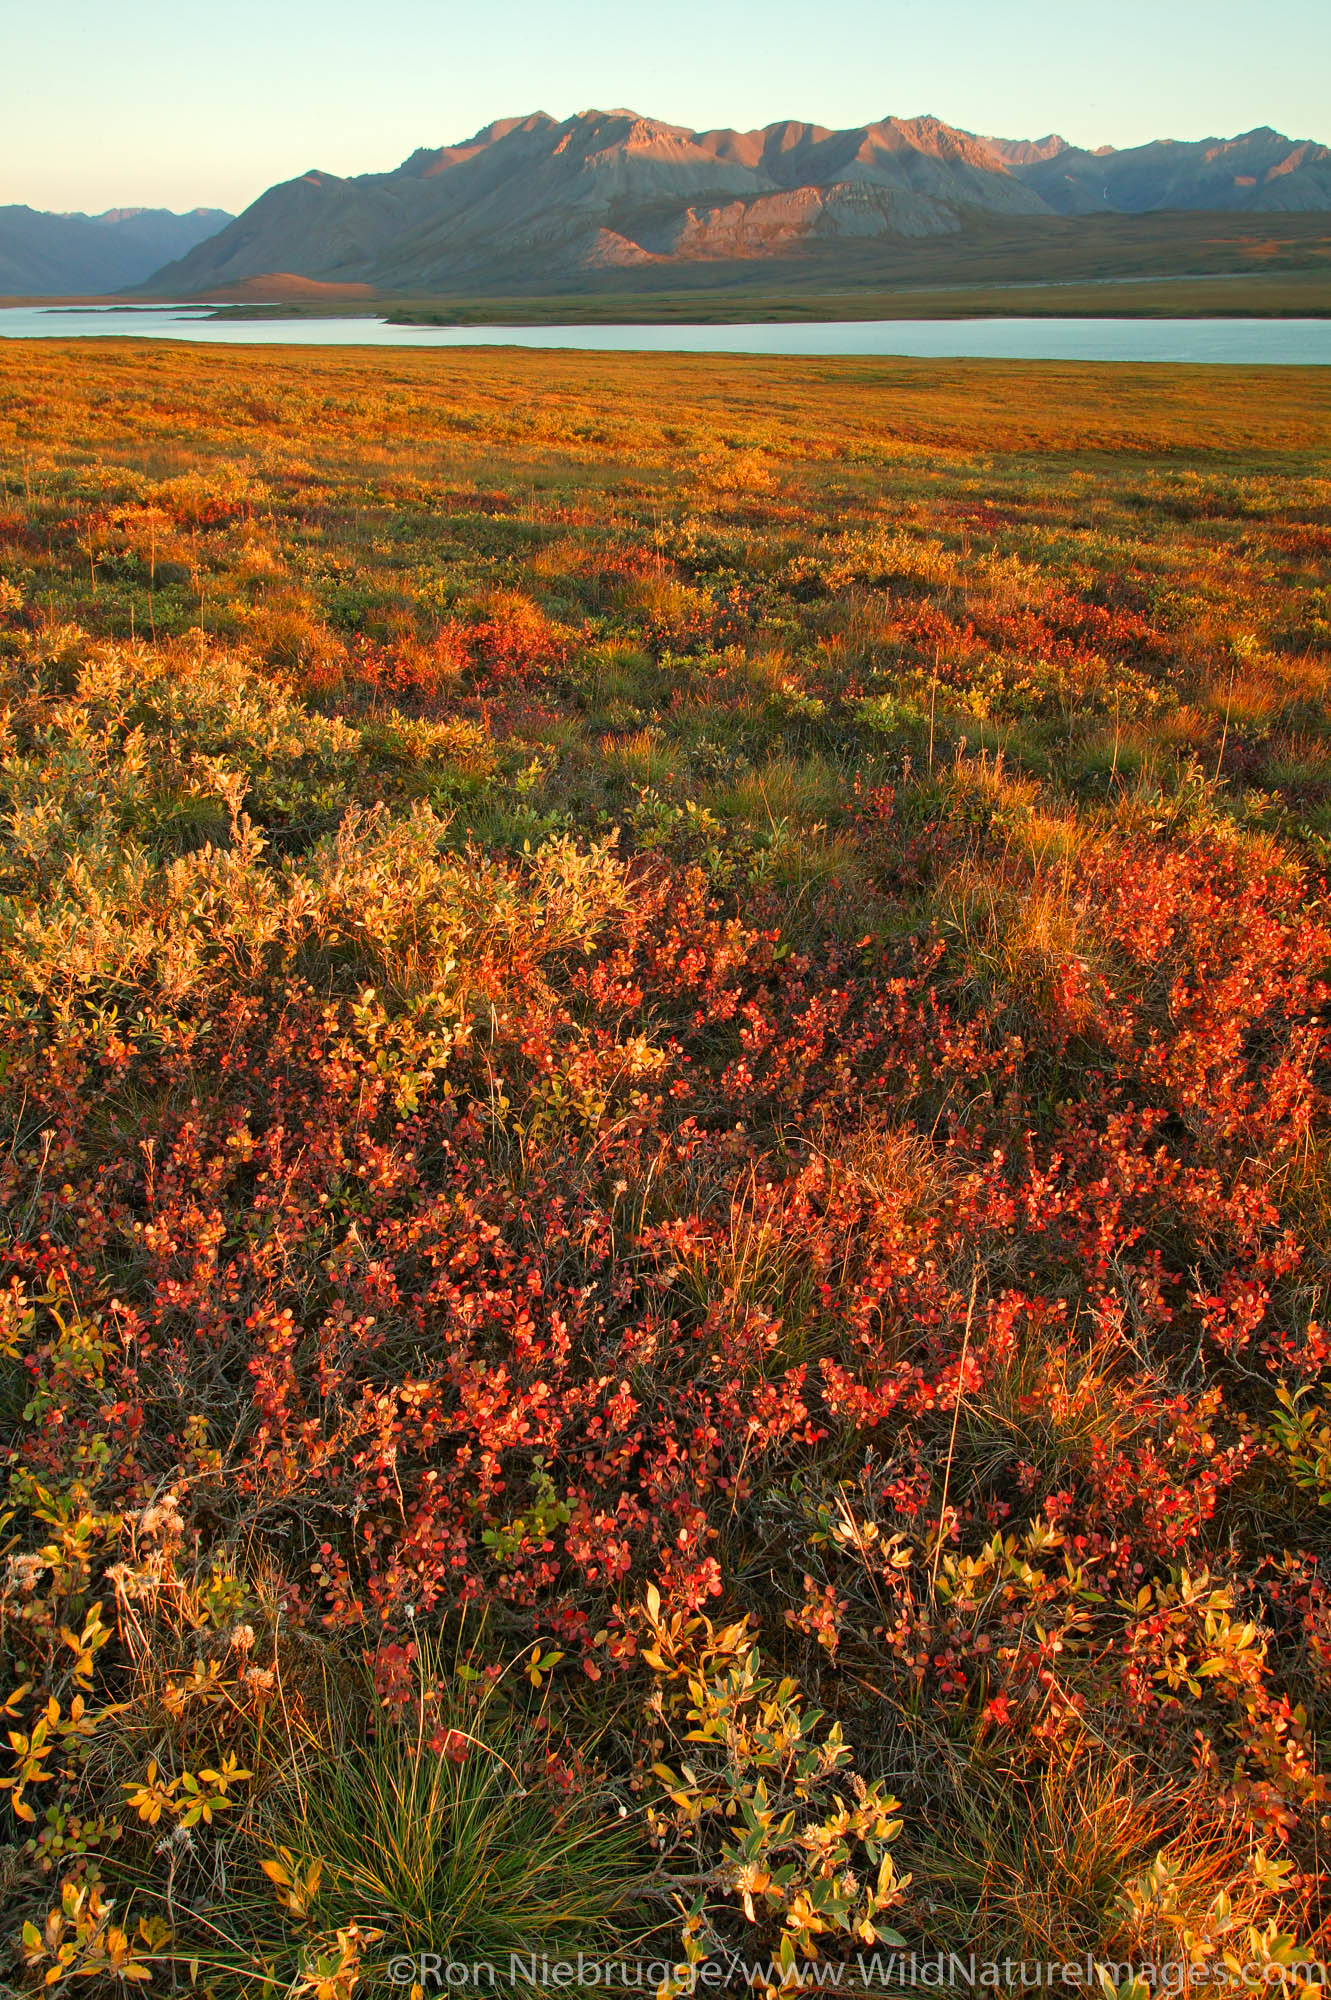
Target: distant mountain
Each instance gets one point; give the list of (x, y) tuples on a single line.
[(1261, 170), (48, 255)]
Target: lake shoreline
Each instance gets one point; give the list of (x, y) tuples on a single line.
[(1231, 341)]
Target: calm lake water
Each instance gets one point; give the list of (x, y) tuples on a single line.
[(1289, 342)]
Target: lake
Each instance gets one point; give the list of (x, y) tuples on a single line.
[(1246, 342)]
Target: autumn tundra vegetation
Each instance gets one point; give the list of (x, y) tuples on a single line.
[(665, 1175)]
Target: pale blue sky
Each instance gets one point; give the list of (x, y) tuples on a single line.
[(176, 102)]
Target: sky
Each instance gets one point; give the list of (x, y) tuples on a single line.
[(178, 103)]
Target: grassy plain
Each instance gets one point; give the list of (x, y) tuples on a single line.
[(1225, 295), (1139, 266), (665, 1180)]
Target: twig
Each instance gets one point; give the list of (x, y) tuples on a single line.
[(1224, 733), (952, 1441)]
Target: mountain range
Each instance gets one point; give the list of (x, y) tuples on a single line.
[(539, 202), (1261, 170), (50, 255)]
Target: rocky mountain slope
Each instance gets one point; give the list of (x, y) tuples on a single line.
[(47, 254)]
